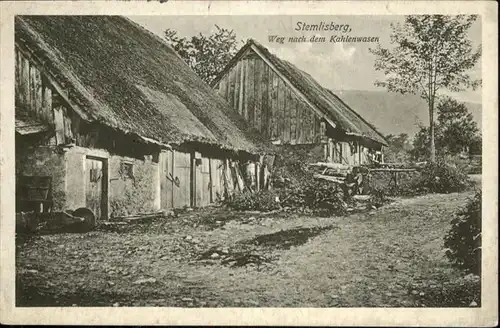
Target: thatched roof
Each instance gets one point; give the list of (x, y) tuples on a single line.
[(323, 99), (129, 79)]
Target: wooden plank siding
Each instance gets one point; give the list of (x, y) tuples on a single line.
[(268, 103), (33, 92)]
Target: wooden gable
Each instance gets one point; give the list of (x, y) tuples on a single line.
[(269, 102)]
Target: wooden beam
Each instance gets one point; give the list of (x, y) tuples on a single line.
[(241, 88), (59, 124)]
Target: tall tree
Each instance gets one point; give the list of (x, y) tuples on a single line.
[(431, 53), (455, 131), (206, 55)]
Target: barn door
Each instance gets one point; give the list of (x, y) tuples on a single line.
[(181, 179), (96, 186)]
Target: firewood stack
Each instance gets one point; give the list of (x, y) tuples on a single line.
[(334, 172)]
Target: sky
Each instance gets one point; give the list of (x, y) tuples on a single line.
[(338, 66)]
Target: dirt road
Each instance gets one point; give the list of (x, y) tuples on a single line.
[(215, 258)]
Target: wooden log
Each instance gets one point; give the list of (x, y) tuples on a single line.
[(391, 170), (329, 178), (336, 166), (59, 124)]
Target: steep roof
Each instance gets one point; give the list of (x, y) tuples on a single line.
[(324, 100), (125, 77)]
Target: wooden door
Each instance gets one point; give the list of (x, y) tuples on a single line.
[(166, 179), (182, 179), (96, 187), (205, 184), (217, 179)]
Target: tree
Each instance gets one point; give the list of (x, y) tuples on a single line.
[(431, 53), (399, 148), (206, 55), (455, 132), (459, 132)]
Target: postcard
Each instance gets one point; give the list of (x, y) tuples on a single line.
[(249, 163)]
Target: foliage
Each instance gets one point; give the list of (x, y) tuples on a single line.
[(399, 148), (431, 53), (459, 131), (291, 164), (440, 177), (319, 197), (455, 132), (378, 197), (206, 55), (435, 177), (382, 181), (262, 200), (463, 241)]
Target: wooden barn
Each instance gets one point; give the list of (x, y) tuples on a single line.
[(289, 107), (114, 119)]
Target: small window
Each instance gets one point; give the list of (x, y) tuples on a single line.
[(127, 170)]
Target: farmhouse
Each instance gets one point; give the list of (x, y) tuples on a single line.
[(115, 120), (289, 107)]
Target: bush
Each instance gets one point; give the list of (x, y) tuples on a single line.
[(320, 197), (463, 241), (440, 177), (262, 200), (378, 198)]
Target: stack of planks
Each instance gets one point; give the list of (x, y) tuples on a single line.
[(334, 172)]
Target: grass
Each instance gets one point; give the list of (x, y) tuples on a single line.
[(391, 257)]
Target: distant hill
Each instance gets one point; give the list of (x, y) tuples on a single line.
[(392, 112)]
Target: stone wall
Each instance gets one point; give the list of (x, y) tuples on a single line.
[(132, 194), (43, 160)]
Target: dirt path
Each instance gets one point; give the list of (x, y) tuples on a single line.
[(215, 258)]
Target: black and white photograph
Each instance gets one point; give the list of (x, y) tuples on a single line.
[(249, 161)]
